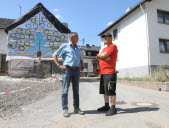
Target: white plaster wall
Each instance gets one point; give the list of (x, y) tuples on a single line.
[(156, 31), (0, 63), (3, 42), (131, 41), (90, 64)]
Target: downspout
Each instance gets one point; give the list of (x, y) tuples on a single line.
[(147, 37)]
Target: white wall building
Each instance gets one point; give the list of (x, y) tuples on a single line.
[(3, 42), (89, 57), (142, 38)]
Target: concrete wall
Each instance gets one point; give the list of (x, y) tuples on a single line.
[(41, 69), (163, 86), (139, 71), (157, 31)]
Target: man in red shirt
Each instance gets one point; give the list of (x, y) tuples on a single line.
[(107, 61)]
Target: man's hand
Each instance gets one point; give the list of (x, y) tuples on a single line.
[(103, 56), (81, 66), (107, 58), (62, 67), (81, 69)]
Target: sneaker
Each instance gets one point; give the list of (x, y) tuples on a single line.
[(111, 112), (103, 109), (65, 113), (78, 111)]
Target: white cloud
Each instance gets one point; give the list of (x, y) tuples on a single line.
[(109, 23), (59, 17), (56, 10)]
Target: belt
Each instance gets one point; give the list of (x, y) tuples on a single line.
[(69, 67)]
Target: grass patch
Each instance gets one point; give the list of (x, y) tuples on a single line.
[(130, 79), (159, 75)]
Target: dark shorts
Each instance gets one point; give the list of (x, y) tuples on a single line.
[(108, 84)]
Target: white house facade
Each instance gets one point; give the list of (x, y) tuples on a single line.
[(158, 27), (141, 36), (3, 43), (89, 57)]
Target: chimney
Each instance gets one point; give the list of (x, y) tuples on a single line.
[(65, 24), (87, 45), (128, 9)]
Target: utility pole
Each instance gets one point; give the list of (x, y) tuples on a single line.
[(19, 9), (83, 40)]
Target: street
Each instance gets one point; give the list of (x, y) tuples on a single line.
[(137, 108)]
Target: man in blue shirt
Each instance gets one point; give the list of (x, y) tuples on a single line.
[(72, 65)]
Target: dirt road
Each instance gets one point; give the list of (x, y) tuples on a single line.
[(137, 108)]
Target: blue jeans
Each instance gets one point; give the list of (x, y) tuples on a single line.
[(70, 75)]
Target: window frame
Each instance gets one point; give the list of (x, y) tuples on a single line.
[(115, 34), (86, 65), (164, 41), (164, 15), (92, 53)]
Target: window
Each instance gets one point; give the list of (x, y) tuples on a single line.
[(85, 65), (164, 46), (163, 17), (88, 53), (91, 53), (94, 53), (3, 63), (115, 33)]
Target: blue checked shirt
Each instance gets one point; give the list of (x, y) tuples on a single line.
[(70, 55)]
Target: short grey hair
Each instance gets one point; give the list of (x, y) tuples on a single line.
[(72, 34)]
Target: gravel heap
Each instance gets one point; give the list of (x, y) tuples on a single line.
[(38, 89)]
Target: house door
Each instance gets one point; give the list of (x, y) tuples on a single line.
[(3, 63)]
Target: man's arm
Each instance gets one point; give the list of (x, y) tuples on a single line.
[(103, 56), (55, 58), (81, 65)]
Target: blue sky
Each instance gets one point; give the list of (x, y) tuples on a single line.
[(87, 17)]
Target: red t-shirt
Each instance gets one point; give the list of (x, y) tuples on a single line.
[(109, 67)]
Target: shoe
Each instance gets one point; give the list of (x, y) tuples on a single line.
[(103, 109), (78, 111), (111, 112), (65, 113)]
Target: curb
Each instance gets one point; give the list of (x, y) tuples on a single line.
[(160, 86)]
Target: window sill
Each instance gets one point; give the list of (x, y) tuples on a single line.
[(163, 23), (164, 52)]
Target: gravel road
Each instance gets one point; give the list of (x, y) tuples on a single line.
[(24, 91)]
